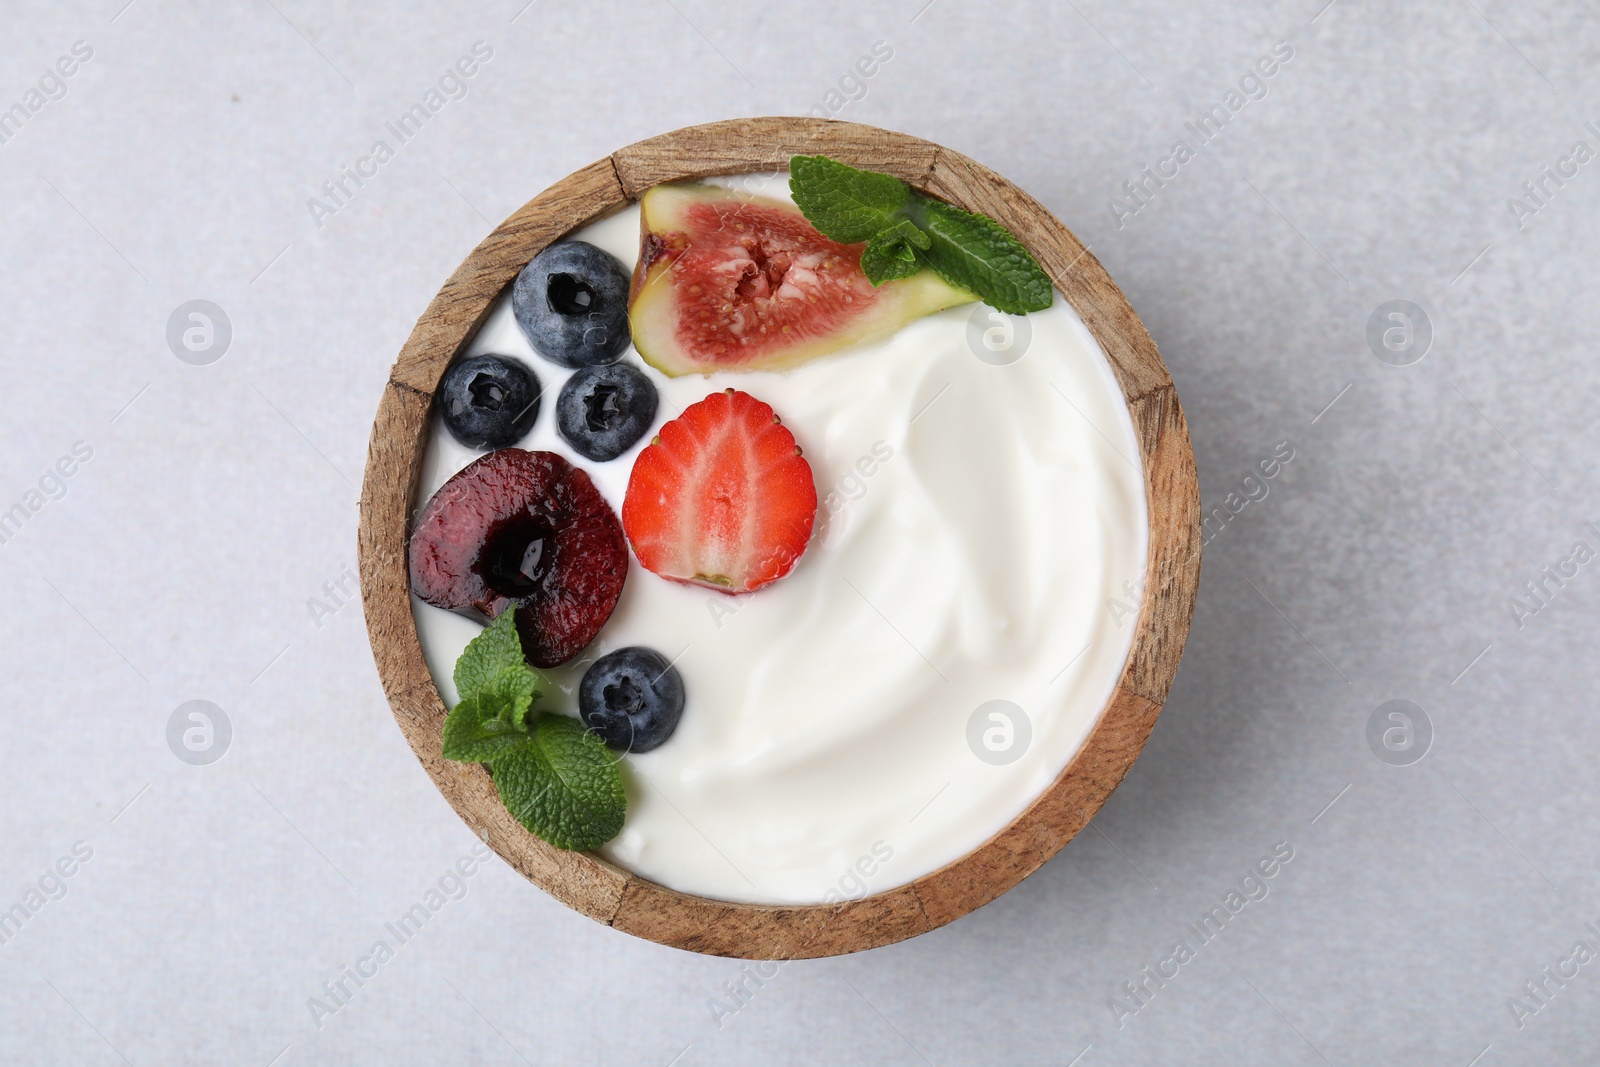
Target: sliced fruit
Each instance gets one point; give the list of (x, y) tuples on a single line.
[(721, 497), (728, 281), (526, 531)]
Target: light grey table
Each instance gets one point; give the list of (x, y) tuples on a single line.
[(202, 550)]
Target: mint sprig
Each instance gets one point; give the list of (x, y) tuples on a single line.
[(892, 252), (556, 777), (906, 232), (489, 722)]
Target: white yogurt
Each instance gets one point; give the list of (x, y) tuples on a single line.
[(978, 523)]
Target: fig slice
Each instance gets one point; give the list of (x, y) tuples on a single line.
[(730, 281)]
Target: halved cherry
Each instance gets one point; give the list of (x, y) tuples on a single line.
[(528, 531)]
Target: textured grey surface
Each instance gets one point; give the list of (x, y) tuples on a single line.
[(180, 561)]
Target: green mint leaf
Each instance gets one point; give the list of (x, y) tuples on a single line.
[(486, 723), (843, 203), (491, 652), (892, 252), (888, 261), (970, 251), (978, 254), (509, 694), (563, 784)]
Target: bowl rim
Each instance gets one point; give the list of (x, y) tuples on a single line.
[(608, 893)]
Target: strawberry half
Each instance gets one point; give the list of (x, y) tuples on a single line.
[(721, 497)]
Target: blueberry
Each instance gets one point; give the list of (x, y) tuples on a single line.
[(602, 411), (572, 303), (489, 401), (632, 698)]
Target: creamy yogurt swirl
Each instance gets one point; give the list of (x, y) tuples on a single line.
[(941, 650)]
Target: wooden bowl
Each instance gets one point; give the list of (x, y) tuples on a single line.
[(592, 885)]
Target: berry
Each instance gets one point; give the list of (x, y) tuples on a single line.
[(721, 497), (572, 303), (526, 531), (602, 411), (489, 401), (632, 698)]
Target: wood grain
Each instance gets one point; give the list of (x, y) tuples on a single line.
[(607, 893)]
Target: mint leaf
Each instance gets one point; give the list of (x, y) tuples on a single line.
[(492, 717), (843, 203), (892, 252), (474, 734), (563, 784), (491, 652), (972, 252), (497, 689), (978, 254), (509, 694)]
